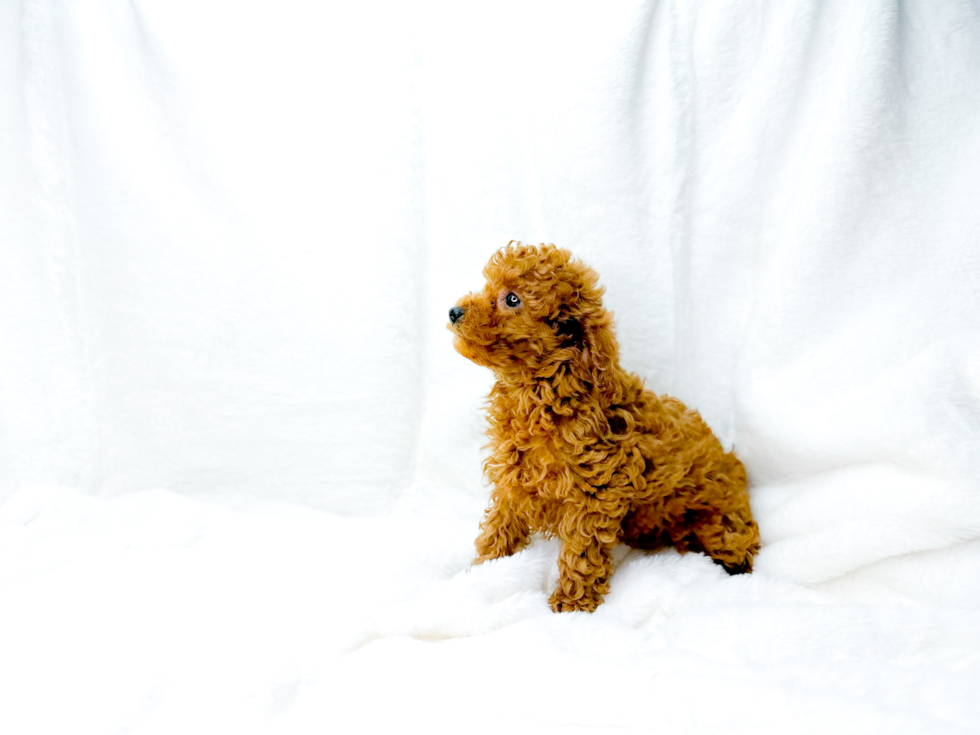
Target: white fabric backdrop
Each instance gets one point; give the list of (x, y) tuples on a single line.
[(229, 237)]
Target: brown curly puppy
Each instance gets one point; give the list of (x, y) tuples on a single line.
[(580, 450)]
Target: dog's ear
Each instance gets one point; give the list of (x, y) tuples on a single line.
[(590, 335), (571, 333)]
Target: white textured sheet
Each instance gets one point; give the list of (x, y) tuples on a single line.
[(239, 459)]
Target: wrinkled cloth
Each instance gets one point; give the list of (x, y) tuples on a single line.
[(240, 461)]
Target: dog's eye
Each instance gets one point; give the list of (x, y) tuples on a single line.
[(511, 300)]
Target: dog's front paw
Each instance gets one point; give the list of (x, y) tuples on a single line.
[(561, 602), (495, 545), (489, 553)]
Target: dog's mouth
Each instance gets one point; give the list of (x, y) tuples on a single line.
[(476, 350), (473, 337), (463, 347), (474, 334)]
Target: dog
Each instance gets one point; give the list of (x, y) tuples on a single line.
[(579, 449)]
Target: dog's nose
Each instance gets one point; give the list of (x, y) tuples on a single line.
[(455, 314)]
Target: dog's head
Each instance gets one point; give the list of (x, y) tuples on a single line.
[(540, 308)]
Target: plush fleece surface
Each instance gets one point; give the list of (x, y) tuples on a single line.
[(240, 460), (157, 613)]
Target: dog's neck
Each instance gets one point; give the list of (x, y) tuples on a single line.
[(587, 375), (588, 355)]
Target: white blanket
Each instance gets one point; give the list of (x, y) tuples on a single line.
[(240, 461)]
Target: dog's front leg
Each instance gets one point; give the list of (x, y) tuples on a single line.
[(584, 562), (502, 533)]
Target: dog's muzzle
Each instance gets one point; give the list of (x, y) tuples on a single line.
[(455, 314)]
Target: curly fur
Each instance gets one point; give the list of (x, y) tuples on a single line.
[(579, 449)]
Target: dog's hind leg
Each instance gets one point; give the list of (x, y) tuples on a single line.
[(725, 529), (731, 539)]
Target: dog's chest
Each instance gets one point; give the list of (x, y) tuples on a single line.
[(539, 460), (545, 447), (543, 485)]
